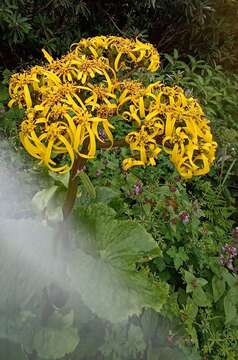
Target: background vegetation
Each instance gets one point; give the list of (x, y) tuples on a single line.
[(194, 222), (204, 28)]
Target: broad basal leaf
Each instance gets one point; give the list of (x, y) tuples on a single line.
[(104, 272), (50, 201), (42, 197), (106, 194), (123, 342), (19, 327), (52, 343), (149, 323)]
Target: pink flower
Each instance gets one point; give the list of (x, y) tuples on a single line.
[(184, 217)]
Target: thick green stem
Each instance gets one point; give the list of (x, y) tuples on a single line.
[(78, 166), (73, 186)]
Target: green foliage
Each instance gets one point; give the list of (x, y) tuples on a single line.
[(217, 91), (55, 343), (144, 239), (104, 272), (50, 201), (204, 28), (9, 118), (200, 295), (87, 184), (122, 342), (30, 25)]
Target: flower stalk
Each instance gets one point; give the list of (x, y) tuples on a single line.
[(73, 186), (79, 165)]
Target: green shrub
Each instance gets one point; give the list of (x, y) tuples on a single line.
[(205, 28), (216, 90)]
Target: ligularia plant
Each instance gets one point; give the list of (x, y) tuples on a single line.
[(98, 96), (73, 106)]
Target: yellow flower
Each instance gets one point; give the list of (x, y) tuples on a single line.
[(71, 99), (92, 46), (99, 94), (130, 162), (106, 110), (145, 144), (54, 139), (87, 127), (19, 90)]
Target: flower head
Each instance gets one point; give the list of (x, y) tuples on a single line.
[(82, 97)]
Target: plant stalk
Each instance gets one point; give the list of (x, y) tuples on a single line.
[(73, 186), (78, 165)]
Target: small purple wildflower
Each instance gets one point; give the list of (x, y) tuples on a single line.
[(184, 217), (102, 134), (229, 252), (2, 111), (138, 187), (172, 188), (98, 172)]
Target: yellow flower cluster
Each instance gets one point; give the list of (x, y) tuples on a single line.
[(70, 102), (171, 122)]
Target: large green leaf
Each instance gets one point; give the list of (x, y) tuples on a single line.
[(105, 273), (50, 201), (123, 342), (149, 323), (200, 297), (58, 338), (52, 343), (218, 287), (91, 338), (106, 194), (43, 197), (230, 310), (19, 327)]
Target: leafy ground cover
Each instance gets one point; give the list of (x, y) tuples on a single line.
[(141, 239)]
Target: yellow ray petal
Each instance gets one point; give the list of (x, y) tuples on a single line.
[(116, 62), (27, 96), (142, 107), (47, 56)]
